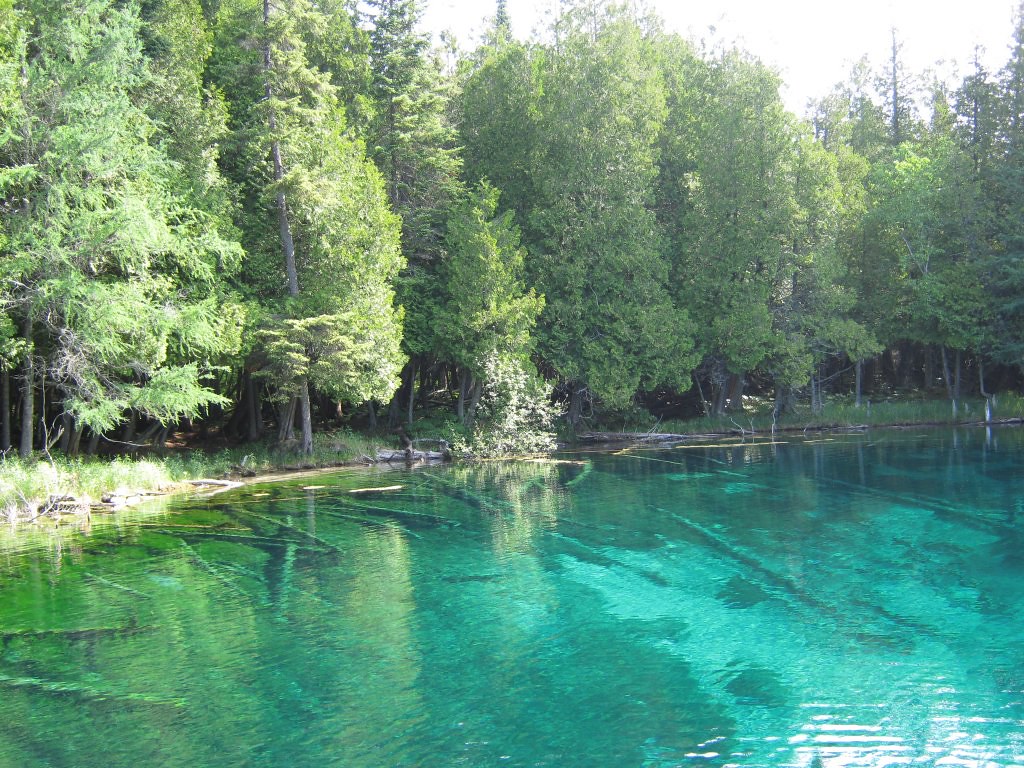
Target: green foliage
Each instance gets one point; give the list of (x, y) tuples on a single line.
[(12, 348), (739, 229), (341, 329), (103, 248), (192, 192), (609, 322), (345, 355), (410, 136), (487, 309)]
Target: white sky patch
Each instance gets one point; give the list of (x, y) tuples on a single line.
[(813, 43)]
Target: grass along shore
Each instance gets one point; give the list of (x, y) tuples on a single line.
[(49, 487)]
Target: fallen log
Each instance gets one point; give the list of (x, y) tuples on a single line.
[(390, 457), (633, 437)]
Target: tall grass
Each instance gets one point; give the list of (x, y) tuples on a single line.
[(26, 486)]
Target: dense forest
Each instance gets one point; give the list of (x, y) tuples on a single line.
[(261, 216)]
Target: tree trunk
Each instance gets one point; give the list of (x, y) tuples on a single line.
[(858, 369), (780, 405), (371, 413), (236, 422), (258, 410), (394, 407), (946, 375), (957, 365), (785, 401), (5, 410), (27, 393), (905, 370), (425, 384), (74, 444), (160, 439), (736, 393), (700, 393), (575, 404), (286, 421), (128, 432), (476, 390), (929, 367), (720, 398), (67, 423), (254, 418), (411, 394), (981, 379), (94, 443), (460, 407), (287, 242), (817, 401), (307, 418)]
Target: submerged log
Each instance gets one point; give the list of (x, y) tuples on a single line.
[(82, 633), (87, 692)]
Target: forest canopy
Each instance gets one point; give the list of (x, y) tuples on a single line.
[(242, 212)]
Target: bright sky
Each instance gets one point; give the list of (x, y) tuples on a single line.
[(812, 42)]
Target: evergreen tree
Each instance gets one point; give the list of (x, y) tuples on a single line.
[(1007, 272), (322, 245), (413, 145), (105, 266), (899, 89), (411, 139), (500, 121), (738, 230), (487, 312), (502, 21), (609, 325)]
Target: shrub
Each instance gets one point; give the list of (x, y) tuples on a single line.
[(515, 415)]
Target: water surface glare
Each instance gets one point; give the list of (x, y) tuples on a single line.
[(848, 600)]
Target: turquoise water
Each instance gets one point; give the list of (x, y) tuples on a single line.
[(838, 601)]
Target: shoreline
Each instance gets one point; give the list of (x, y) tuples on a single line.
[(68, 510), (61, 510)]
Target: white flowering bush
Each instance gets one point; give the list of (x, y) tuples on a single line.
[(515, 415)]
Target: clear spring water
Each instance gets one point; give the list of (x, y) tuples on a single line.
[(839, 601)]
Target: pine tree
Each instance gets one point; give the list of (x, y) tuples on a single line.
[(487, 311), (502, 21)]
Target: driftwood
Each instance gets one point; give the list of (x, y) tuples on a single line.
[(662, 437)]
